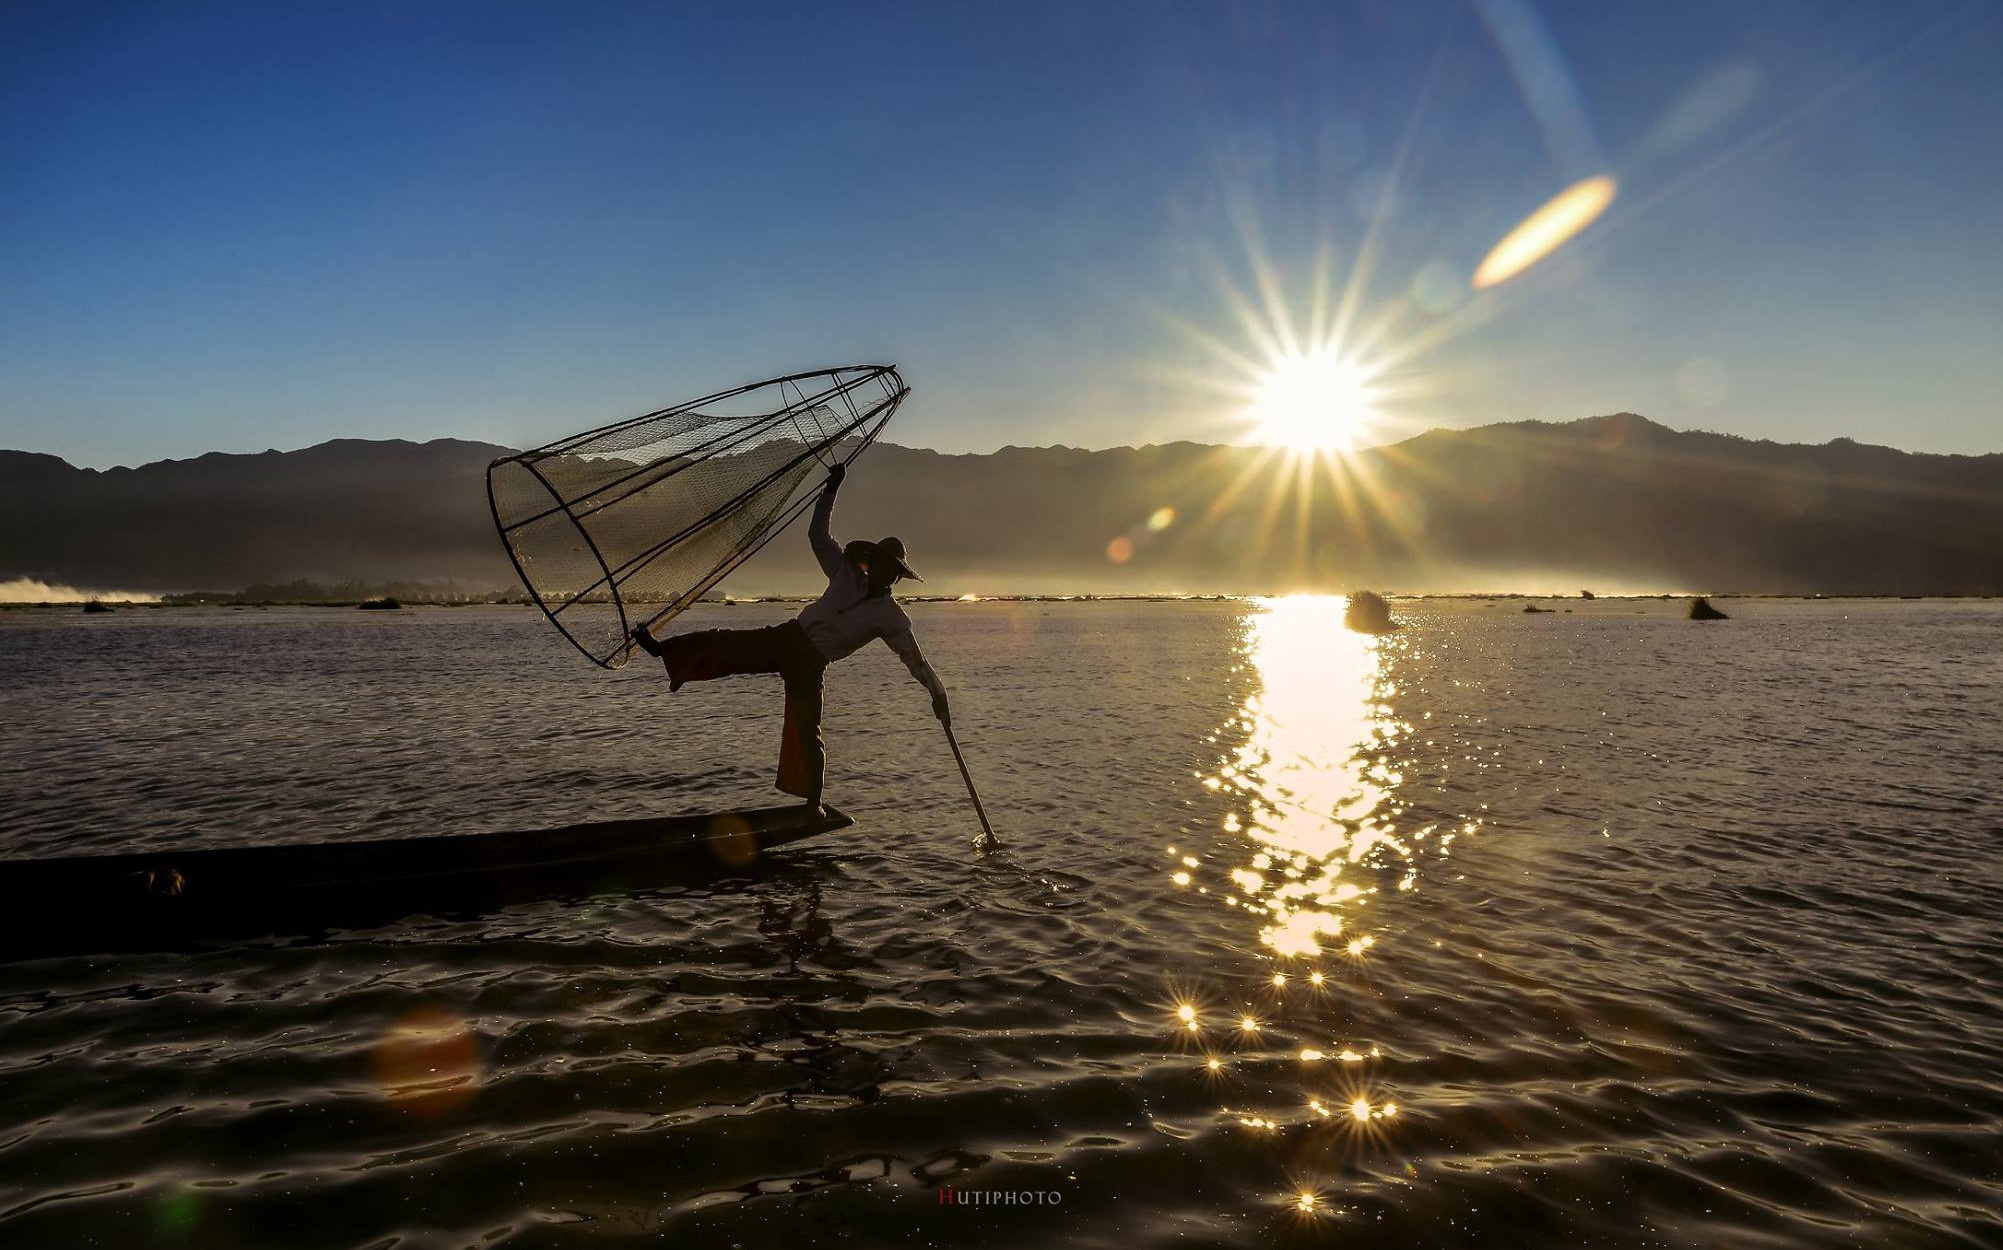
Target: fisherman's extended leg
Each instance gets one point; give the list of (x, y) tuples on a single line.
[(711, 653)]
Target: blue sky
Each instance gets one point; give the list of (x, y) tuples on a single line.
[(233, 227)]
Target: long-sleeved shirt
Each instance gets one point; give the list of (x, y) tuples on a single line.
[(846, 617)]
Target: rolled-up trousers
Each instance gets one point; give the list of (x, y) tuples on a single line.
[(782, 649)]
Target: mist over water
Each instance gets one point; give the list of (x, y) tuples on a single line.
[(1594, 928), (33, 590)]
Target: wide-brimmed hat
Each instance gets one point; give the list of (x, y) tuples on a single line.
[(892, 549)]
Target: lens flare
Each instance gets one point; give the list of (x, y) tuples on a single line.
[(428, 1062), (732, 842), (1546, 230)]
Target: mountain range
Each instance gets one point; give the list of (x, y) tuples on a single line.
[(1617, 503)]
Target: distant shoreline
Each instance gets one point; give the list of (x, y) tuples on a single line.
[(184, 602)]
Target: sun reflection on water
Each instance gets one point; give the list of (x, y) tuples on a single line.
[(1314, 797), (1317, 833)]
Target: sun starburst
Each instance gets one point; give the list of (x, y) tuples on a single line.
[(1314, 400)]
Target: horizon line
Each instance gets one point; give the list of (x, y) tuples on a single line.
[(1180, 442)]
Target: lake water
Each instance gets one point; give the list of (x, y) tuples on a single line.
[(1602, 928)]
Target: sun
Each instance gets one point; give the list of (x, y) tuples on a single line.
[(1314, 400)]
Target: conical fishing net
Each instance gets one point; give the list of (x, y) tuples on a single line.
[(632, 523)]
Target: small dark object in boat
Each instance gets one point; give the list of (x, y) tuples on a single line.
[(1701, 610), (1367, 613), (159, 881), (384, 604), (96, 605)]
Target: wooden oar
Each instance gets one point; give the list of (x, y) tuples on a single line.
[(990, 842)]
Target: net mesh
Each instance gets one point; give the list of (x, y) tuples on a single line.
[(632, 523)]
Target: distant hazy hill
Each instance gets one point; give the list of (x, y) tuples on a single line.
[(1613, 503), (345, 510)]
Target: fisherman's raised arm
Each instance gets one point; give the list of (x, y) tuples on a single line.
[(826, 549), (907, 650)]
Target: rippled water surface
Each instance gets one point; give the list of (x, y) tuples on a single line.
[(1601, 928)]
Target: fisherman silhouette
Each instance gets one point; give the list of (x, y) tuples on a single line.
[(857, 607)]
